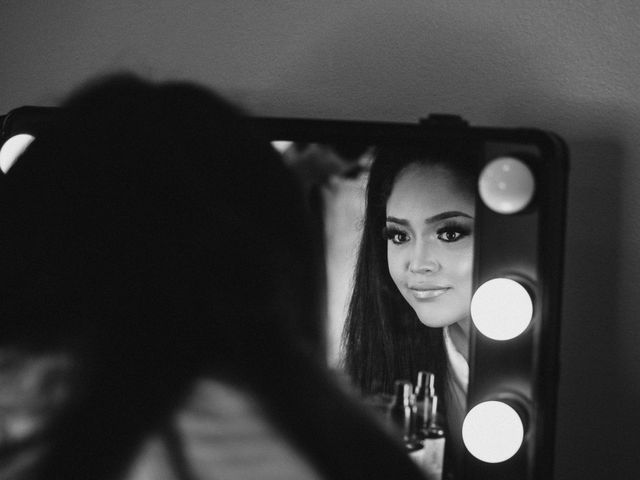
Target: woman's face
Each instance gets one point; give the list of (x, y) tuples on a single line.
[(429, 232)]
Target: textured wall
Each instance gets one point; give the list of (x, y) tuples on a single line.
[(568, 66)]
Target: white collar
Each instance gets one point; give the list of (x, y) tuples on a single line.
[(459, 367)]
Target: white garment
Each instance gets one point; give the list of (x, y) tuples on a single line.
[(458, 366), (456, 391)]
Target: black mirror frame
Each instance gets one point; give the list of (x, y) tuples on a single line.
[(532, 245)]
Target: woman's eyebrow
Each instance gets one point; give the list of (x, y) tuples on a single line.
[(435, 218), (445, 215), (400, 221)]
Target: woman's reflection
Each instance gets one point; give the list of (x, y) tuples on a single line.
[(410, 305)]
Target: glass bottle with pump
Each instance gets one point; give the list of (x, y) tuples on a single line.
[(424, 392), (433, 440), (402, 413)]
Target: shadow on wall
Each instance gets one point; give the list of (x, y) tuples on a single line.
[(597, 415)]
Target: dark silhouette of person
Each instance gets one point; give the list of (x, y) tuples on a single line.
[(158, 279)]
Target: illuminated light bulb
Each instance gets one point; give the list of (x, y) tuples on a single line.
[(492, 431), (281, 145), (501, 309), (506, 185), (12, 149)]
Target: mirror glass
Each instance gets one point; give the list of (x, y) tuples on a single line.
[(426, 266)]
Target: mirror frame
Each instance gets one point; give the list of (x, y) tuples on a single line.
[(531, 246)]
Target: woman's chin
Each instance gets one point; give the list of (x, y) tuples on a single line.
[(436, 323)]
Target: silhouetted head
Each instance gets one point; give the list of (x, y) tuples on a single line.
[(150, 234), (150, 216)]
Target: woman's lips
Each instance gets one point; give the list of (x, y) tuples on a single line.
[(423, 293)]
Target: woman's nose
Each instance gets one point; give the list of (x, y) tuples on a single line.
[(423, 260)]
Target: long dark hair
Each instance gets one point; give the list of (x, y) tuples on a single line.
[(383, 339), (161, 240)]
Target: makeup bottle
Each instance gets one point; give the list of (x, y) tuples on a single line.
[(431, 459), (401, 414), (424, 392)]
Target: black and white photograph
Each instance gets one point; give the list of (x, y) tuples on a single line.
[(305, 240)]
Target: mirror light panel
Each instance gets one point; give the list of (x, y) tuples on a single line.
[(514, 346)]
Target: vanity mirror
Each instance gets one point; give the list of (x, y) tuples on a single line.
[(509, 220), (490, 203)]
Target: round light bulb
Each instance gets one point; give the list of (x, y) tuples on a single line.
[(12, 149), (501, 309), (506, 185), (492, 431)]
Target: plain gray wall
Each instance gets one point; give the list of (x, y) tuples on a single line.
[(570, 66)]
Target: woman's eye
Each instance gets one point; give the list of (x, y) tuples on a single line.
[(398, 237), (451, 235)]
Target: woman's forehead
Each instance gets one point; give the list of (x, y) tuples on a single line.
[(427, 190)]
